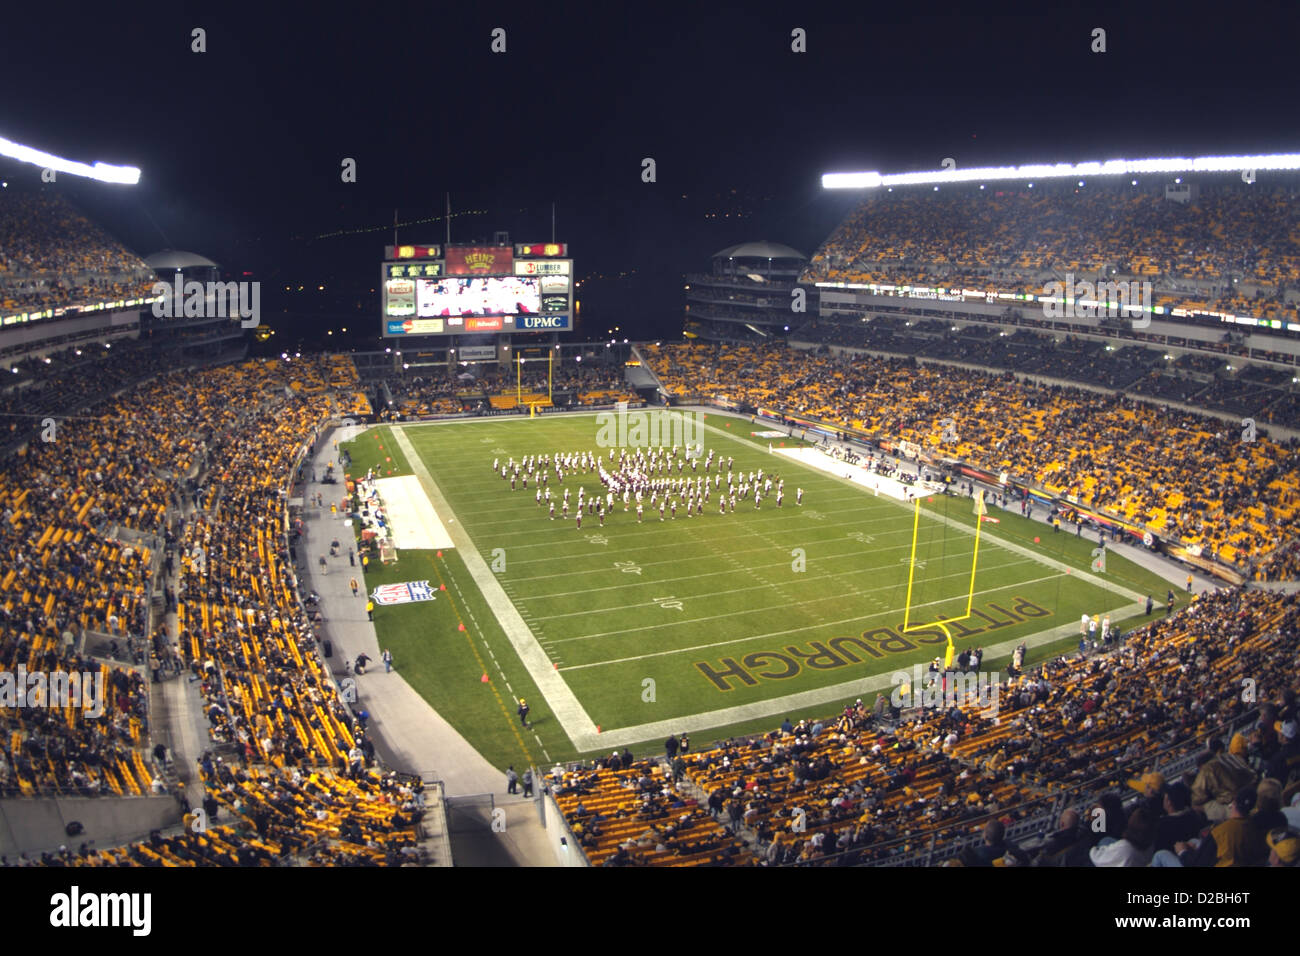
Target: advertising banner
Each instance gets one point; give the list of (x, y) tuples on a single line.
[(479, 260), (541, 323)]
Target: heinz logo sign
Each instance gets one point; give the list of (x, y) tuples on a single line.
[(543, 321)]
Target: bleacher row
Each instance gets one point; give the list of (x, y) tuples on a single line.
[(225, 439), (1184, 476), (858, 787)]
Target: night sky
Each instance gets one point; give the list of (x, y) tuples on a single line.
[(241, 146)]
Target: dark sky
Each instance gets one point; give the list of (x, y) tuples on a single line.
[(241, 146)]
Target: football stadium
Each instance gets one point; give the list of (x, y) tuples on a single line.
[(968, 536)]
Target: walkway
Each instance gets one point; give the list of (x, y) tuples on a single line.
[(409, 734)]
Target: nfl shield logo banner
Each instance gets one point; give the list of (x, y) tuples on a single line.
[(403, 593)]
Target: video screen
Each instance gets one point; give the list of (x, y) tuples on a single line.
[(495, 295)]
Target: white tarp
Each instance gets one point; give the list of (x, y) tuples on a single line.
[(410, 514)]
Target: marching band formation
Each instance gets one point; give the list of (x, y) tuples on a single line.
[(654, 478)]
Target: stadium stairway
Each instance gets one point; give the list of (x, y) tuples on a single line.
[(177, 707), (689, 786)]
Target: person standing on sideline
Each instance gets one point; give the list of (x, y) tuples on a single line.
[(528, 782), (1189, 584), (388, 661), (1150, 605), (670, 747), (512, 780), (684, 745), (324, 568), (370, 610), (523, 712), (353, 582), (352, 557)]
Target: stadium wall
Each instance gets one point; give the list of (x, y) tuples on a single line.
[(569, 852), (115, 323), (37, 825)]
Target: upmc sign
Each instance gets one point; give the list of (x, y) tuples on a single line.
[(538, 323)]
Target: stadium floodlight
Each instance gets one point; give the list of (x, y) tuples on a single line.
[(122, 175), (1111, 167)]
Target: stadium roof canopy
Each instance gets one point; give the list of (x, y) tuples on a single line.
[(175, 259), (760, 250)]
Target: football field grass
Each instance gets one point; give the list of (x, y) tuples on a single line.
[(715, 623)]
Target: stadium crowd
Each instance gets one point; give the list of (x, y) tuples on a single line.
[(1230, 250), (201, 460), (54, 256)]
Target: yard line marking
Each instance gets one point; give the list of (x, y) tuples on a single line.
[(678, 560), (837, 535), (795, 630), (790, 514), (708, 574), (762, 585)]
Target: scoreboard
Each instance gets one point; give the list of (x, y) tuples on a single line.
[(459, 289)]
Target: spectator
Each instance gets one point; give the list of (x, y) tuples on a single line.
[(1133, 848)]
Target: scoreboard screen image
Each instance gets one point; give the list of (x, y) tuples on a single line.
[(490, 295), (476, 289)]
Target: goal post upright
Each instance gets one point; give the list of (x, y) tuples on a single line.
[(943, 623)]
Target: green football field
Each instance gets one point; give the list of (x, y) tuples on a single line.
[(719, 624)]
